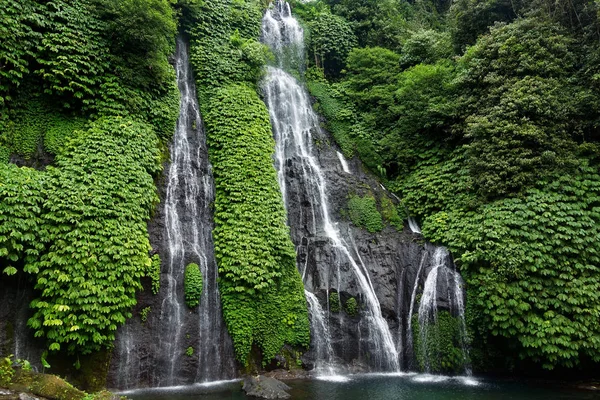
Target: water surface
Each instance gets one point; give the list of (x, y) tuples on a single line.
[(384, 387)]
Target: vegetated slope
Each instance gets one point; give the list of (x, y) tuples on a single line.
[(86, 82), (484, 117), (261, 290)]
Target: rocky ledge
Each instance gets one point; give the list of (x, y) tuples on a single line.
[(265, 387)]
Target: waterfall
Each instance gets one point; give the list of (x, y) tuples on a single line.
[(294, 122), (187, 233), (442, 265), (343, 162), (321, 338), (412, 224)]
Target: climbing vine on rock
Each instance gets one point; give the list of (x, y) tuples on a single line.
[(261, 290)]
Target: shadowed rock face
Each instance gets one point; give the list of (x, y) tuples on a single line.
[(392, 258)]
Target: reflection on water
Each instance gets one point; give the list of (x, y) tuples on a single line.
[(396, 386)]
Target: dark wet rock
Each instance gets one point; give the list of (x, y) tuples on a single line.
[(265, 387), (392, 258), (284, 374)]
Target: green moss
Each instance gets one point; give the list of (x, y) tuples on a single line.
[(192, 285), (189, 351), (441, 351), (351, 307), (47, 386), (334, 302), (364, 214), (389, 212)]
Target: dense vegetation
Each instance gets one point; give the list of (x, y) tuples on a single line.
[(484, 116), (261, 289), (88, 89)]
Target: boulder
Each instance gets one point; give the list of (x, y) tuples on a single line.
[(265, 387)]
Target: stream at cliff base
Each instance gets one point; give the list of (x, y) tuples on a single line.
[(383, 387)]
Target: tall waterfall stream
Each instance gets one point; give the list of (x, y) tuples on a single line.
[(174, 328), (293, 121)]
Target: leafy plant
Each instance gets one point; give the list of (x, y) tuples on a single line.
[(334, 302), (189, 351), (155, 273), (192, 285), (364, 214), (351, 307), (6, 370), (144, 314)]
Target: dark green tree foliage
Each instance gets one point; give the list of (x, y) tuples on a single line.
[(472, 18), (520, 102), (533, 264), (193, 285), (425, 46), (376, 23), (261, 290), (331, 39), (93, 223)]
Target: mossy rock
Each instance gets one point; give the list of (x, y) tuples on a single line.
[(49, 386)]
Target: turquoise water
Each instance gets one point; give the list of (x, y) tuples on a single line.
[(383, 387)]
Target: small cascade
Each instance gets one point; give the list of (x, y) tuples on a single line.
[(187, 239), (343, 162), (413, 297), (443, 274), (321, 338), (294, 122), (412, 224)]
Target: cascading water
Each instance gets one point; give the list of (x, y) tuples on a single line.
[(188, 239), (441, 267), (293, 123)]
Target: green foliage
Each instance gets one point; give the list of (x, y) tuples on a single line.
[(93, 224), (331, 39), (20, 21), (144, 314), (520, 105), (261, 290), (533, 264), (441, 351), (351, 307), (192, 285), (339, 117), (425, 46), (6, 371), (154, 273), (363, 213), (334, 302), (262, 295), (471, 18), (224, 45), (389, 212), (21, 200), (189, 351), (4, 154), (140, 33)]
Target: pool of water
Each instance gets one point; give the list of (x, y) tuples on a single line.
[(381, 387)]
